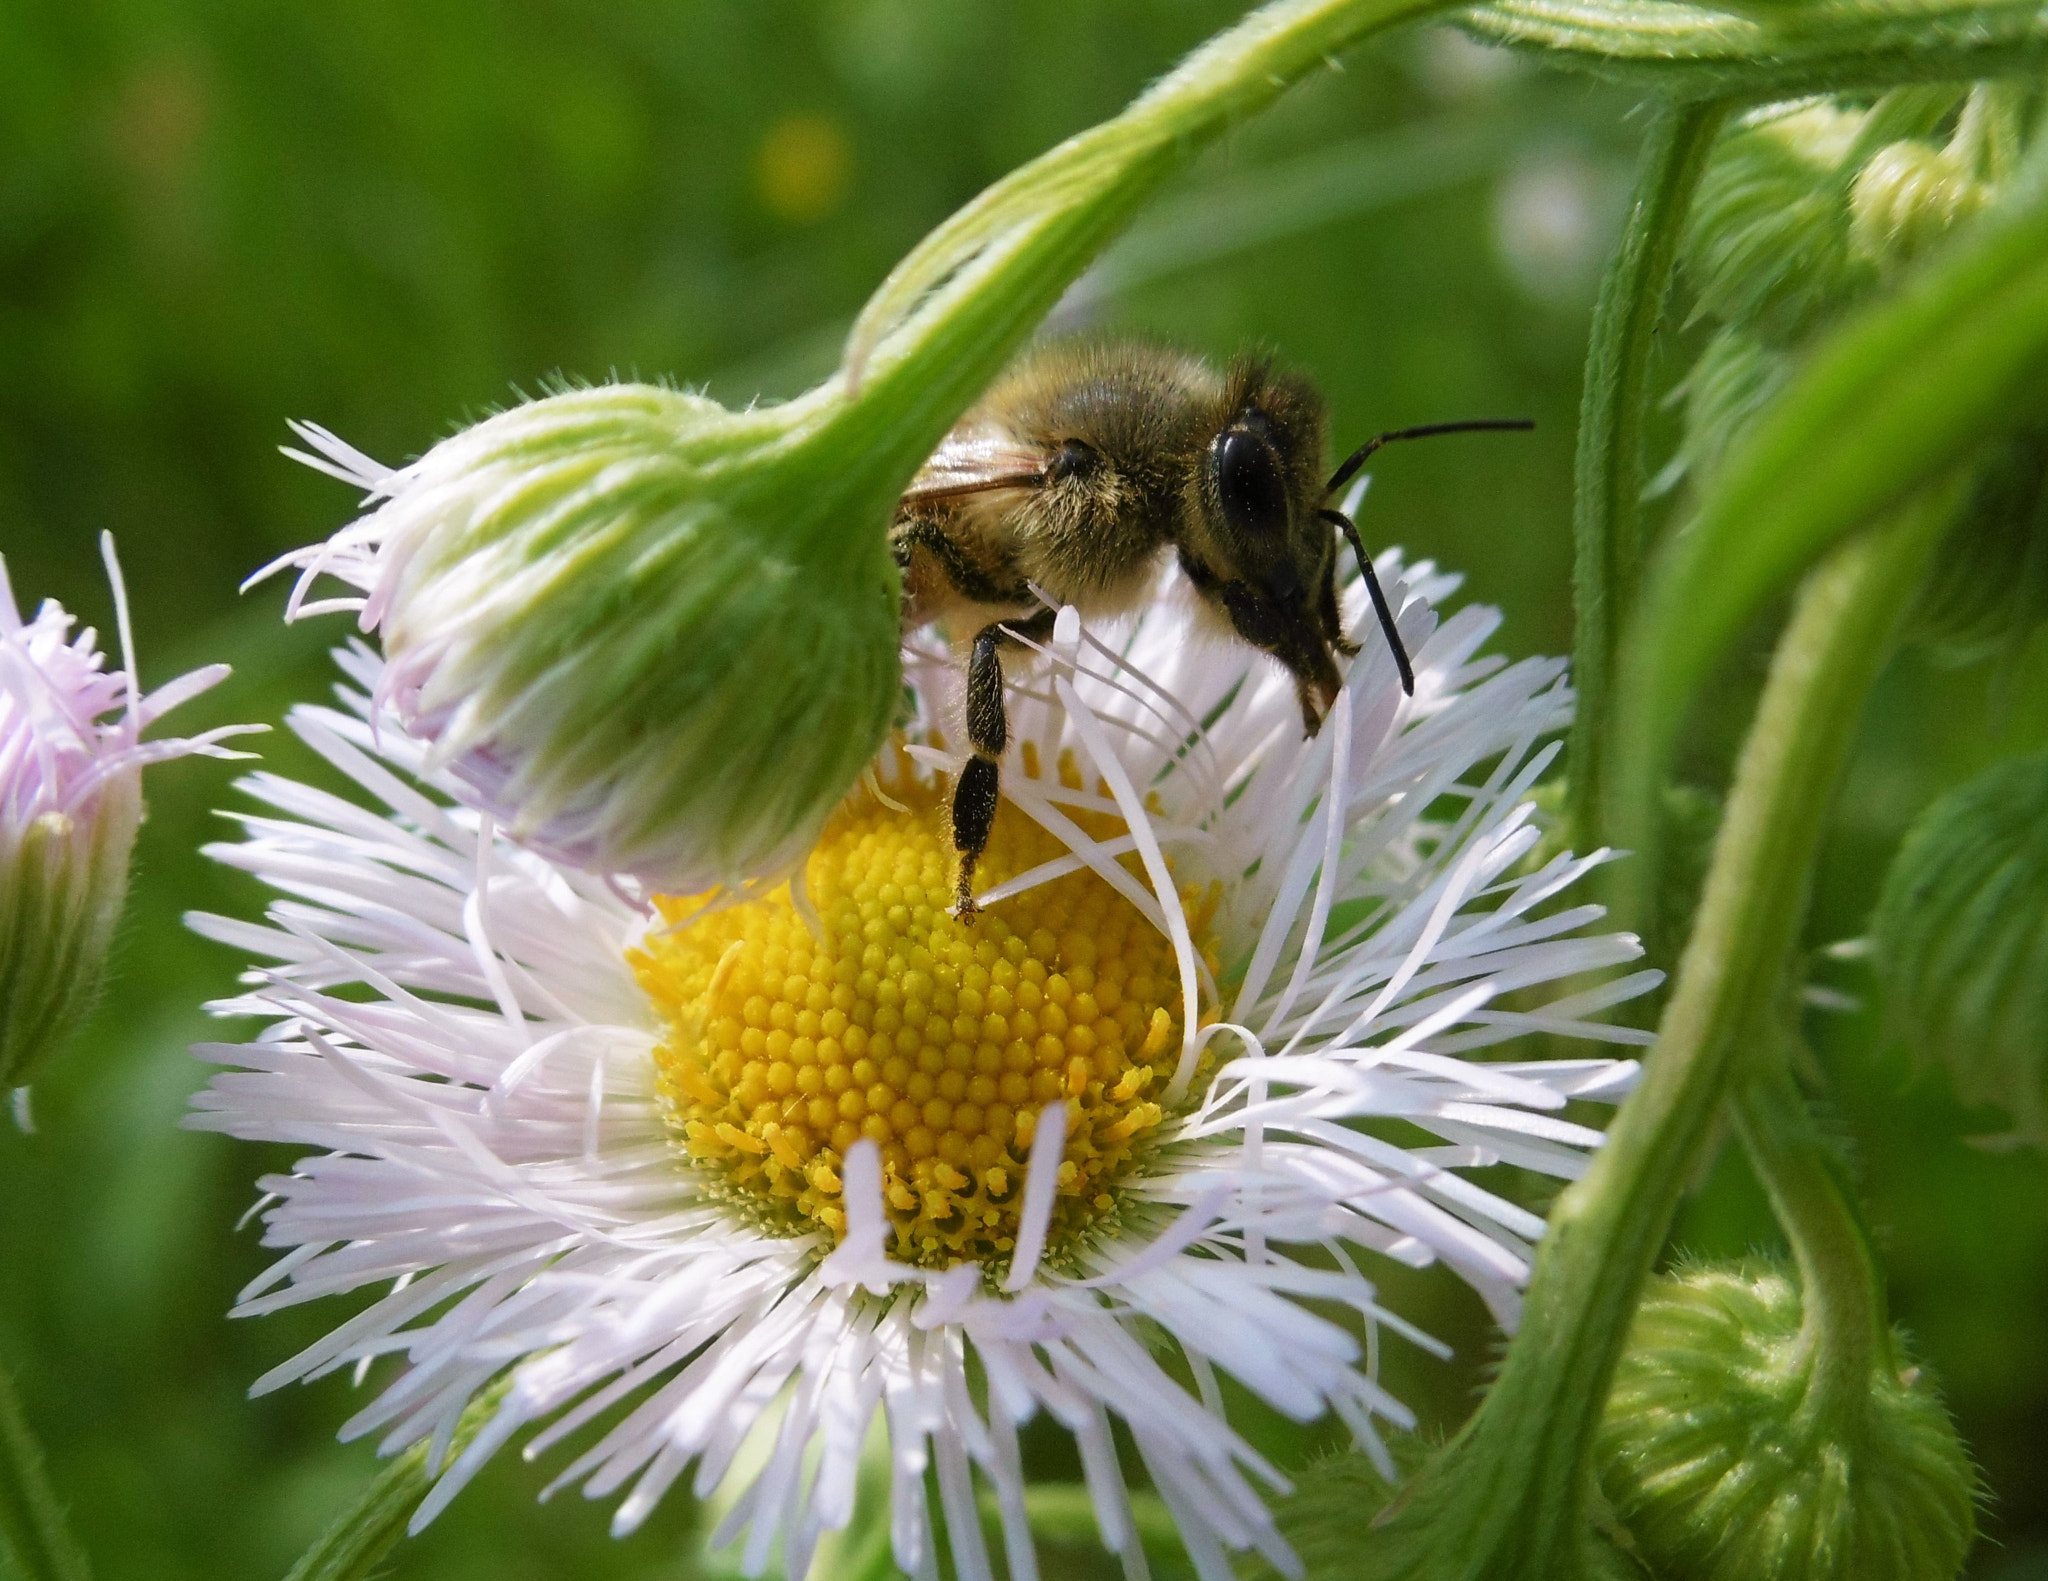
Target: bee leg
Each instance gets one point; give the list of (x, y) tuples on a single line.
[(1311, 715), (976, 793), (1332, 615)]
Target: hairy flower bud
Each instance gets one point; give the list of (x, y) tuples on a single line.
[(1907, 196), (70, 804), (1768, 245), (654, 636), (1735, 378), (1717, 1460), (1961, 933)]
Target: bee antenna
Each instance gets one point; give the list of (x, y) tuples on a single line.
[(1349, 529), (1477, 425)]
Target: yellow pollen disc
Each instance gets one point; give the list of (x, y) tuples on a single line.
[(941, 1041)]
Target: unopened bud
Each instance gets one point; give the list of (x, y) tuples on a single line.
[(1909, 195), (1961, 937), (1768, 244), (1717, 1463), (1735, 378), (70, 804), (653, 636)]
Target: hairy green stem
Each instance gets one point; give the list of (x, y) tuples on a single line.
[(1609, 472), (1771, 51), (1508, 1497), (359, 1541), (1843, 1325), (937, 329), (34, 1539)]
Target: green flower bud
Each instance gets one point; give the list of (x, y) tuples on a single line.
[(1735, 378), (1989, 586), (1768, 243), (70, 804), (1961, 937), (653, 635), (1907, 197), (1716, 1460)]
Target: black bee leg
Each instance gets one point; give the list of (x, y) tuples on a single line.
[(975, 795), (1332, 616)]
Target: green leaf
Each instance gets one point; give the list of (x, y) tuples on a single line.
[(1884, 406), (1962, 940)]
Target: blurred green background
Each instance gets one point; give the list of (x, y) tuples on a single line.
[(390, 217)]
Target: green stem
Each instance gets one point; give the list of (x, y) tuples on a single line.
[(1608, 491), (1507, 1497), (1770, 52), (1843, 1322), (357, 1544), (950, 314), (33, 1533)]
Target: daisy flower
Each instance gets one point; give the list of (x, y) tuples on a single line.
[(71, 762), (713, 1186)]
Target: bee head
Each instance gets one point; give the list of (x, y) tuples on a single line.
[(1254, 546)]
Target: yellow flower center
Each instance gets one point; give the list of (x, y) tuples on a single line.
[(941, 1041)]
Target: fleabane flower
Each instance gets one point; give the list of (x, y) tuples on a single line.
[(71, 762), (720, 1188)]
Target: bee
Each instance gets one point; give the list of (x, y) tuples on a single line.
[(1080, 469)]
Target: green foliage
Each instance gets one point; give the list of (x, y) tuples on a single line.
[(1962, 940), (1711, 1453), (1886, 402)]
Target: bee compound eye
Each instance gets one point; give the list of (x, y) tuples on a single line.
[(1249, 487), (1073, 459)]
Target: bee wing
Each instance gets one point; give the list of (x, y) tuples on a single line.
[(976, 463)]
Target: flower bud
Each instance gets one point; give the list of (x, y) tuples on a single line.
[(1717, 1461), (1768, 244), (1735, 378), (654, 636), (1907, 196), (70, 803), (1961, 936)]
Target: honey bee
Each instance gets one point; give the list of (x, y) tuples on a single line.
[(1079, 470)]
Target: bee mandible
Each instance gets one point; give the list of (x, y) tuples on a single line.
[(1079, 469)]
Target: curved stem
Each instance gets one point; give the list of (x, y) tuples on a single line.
[(33, 1533), (954, 309), (1608, 485), (358, 1543), (1759, 53), (1843, 1323), (1507, 1498)]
